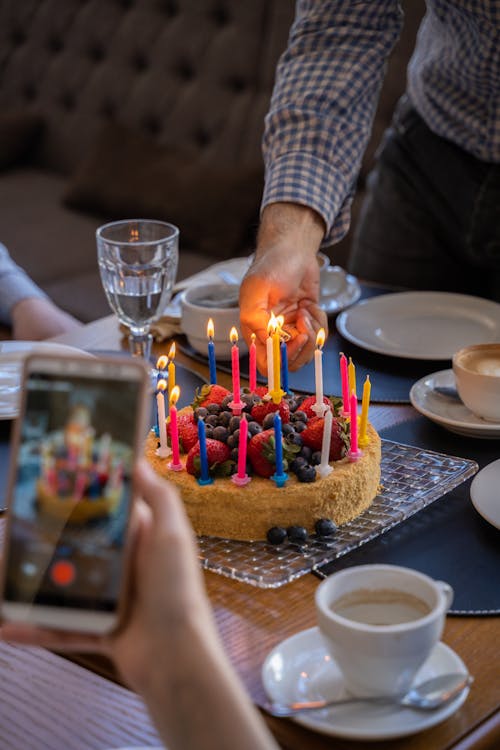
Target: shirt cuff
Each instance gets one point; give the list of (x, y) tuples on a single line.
[(16, 286), (304, 179)]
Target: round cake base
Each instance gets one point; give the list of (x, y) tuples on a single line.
[(246, 513)]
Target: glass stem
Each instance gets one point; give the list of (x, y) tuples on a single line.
[(140, 345)]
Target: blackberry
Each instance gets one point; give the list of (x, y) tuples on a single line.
[(276, 535), (297, 534), (325, 527), (306, 473)]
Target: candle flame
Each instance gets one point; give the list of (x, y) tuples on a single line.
[(233, 335), (253, 336), (280, 321), (161, 385), (210, 328), (161, 362), (174, 396), (171, 352), (320, 338), (273, 324)]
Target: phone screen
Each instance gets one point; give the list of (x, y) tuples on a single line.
[(72, 491)]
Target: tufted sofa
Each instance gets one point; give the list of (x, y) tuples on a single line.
[(149, 107)]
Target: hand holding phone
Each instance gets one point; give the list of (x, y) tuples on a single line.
[(80, 430)]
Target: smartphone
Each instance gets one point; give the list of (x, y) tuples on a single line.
[(82, 423)]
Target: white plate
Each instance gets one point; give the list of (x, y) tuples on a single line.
[(300, 668), (449, 412), (12, 354), (421, 325), (484, 493)]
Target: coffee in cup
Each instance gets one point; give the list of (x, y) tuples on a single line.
[(380, 624), (477, 375)]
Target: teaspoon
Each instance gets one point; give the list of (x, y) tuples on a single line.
[(427, 696)]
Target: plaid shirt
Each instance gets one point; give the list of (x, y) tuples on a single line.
[(328, 82)]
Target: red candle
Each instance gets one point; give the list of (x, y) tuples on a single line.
[(344, 377), (241, 477), (236, 404), (253, 365), (175, 464)]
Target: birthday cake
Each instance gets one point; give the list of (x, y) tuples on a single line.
[(81, 477), (318, 485)]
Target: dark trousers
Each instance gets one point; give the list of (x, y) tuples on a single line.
[(431, 218)]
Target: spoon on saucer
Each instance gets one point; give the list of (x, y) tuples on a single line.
[(427, 696)]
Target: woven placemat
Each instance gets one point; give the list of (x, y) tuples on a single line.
[(448, 540)]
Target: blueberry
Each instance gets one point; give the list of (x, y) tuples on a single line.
[(299, 416), (209, 432), (268, 422), (221, 433), (306, 453), (306, 473), (213, 408), (316, 458), (294, 439), (234, 455), (212, 420), (325, 527), (276, 535), (297, 463), (225, 417), (288, 429), (297, 534), (292, 404), (300, 426), (254, 428), (200, 412), (226, 401), (231, 442), (234, 423)]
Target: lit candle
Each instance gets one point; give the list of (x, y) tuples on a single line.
[(175, 464), (161, 363), (211, 352), (324, 468), (344, 378), (351, 376), (276, 392), (236, 404), (279, 475), (162, 451), (354, 451), (253, 365), (365, 403), (241, 477), (269, 353), (171, 371), (319, 407), (204, 477)]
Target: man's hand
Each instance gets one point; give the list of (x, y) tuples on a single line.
[(284, 279)]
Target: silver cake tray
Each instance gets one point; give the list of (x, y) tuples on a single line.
[(412, 479)]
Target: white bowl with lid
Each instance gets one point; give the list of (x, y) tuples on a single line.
[(217, 301)]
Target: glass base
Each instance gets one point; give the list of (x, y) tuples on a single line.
[(140, 345)]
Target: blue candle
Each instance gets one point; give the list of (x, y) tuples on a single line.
[(284, 366), (205, 477), (211, 352), (279, 475)]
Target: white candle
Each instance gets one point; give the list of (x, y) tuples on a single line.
[(324, 468), (162, 451), (319, 407)]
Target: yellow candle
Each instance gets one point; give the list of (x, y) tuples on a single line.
[(363, 438), (276, 393), (351, 376), (171, 371)]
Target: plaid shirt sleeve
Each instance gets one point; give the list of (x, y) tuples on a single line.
[(15, 285), (324, 100)]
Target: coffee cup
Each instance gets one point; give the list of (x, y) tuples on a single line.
[(477, 375), (380, 624)]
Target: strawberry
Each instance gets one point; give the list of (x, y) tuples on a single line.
[(188, 432), (312, 436), (219, 463), (309, 401), (261, 410), (210, 394), (262, 453), (261, 390)]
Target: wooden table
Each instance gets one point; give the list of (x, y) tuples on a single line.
[(251, 621)]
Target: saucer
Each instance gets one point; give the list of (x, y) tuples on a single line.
[(448, 412), (300, 668), (338, 290), (484, 493)]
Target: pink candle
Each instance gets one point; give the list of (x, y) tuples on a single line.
[(345, 385), (241, 477), (253, 365), (175, 464), (236, 404), (354, 451)]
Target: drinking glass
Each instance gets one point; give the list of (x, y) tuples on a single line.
[(138, 265)]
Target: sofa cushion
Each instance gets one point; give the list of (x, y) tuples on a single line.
[(18, 134), (128, 175)]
